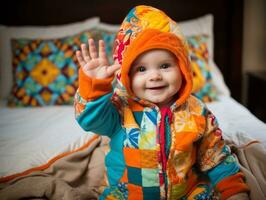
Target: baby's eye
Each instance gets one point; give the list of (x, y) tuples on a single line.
[(165, 66), (141, 69)]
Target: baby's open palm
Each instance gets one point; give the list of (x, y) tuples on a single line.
[(93, 64)]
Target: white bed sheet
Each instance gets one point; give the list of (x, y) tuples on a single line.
[(30, 137), (237, 122)]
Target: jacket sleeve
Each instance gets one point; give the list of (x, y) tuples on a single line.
[(93, 109), (216, 160)]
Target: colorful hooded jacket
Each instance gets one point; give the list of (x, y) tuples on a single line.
[(172, 153)]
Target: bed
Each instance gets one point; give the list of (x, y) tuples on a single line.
[(43, 151)]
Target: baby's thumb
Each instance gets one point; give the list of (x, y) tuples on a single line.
[(113, 68)]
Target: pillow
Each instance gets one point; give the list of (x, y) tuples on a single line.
[(204, 26), (203, 86), (45, 72), (200, 26), (32, 32)]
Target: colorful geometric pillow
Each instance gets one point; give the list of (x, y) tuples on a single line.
[(45, 72), (203, 86)]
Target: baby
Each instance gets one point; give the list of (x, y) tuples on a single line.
[(165, 143)]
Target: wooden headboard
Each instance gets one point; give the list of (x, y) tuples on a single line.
[(228, 17)]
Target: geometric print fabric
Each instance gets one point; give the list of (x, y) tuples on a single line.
[(203, 87), (45, 72)]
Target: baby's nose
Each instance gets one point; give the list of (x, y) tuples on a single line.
[(155, 75)]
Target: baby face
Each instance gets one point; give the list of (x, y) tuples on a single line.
[(155, 77)]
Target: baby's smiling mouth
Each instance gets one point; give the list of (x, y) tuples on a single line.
[(156, 88)]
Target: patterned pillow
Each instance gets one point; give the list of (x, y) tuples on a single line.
[(45, 72), (203, 86)]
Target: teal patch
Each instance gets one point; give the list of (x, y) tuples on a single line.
[(151, 193), (134, 176)]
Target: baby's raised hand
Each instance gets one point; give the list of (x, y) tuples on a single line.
[(93, 64)]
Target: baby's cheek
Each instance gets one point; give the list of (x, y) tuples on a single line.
[(134, 86), (137, 81)]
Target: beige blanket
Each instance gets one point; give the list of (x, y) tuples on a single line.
[(77, 176), (252, 159), (80, 175)]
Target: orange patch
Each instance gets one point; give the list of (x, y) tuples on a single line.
[(141, 158), (201, 123), (129, 119), (124, 177), (232, 185), (132, 157), (149, 159), (173, 176), (134, 106), (185, 140), (134, 192)]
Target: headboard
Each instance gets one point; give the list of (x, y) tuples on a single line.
[(228, 17)]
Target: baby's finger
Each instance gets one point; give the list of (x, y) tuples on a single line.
[(92, 48), (102, 52), (112, 69), (85, 53), (81, 61)]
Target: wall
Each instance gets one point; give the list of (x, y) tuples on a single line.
[(254, 39)]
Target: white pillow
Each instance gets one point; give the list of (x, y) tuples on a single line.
[(32, 32), (218, 79), (109, 27)]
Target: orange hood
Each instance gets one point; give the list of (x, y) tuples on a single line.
[(147, 28)]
